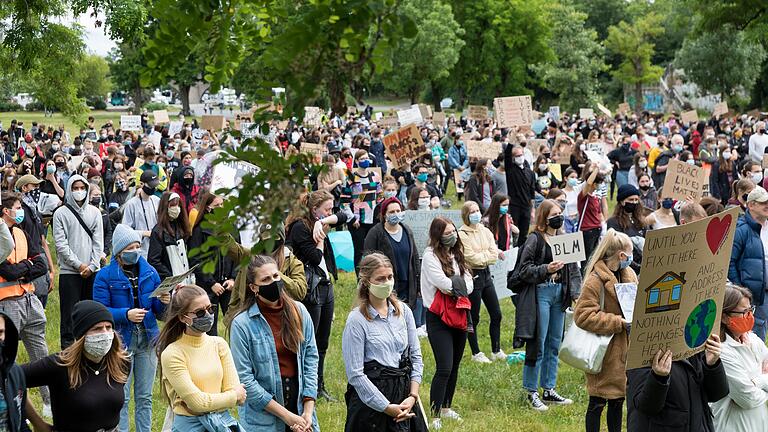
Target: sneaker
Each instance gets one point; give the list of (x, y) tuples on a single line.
[(481, 358), (422, 331), (501, 355), (437, 424), (551, 397), (536, 403), (47, 413), (450, 414)]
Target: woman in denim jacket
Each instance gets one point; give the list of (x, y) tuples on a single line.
[(273, 346)]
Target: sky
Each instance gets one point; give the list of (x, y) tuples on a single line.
[(95, 40)]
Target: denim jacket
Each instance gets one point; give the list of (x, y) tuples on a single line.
[(255, 356), (113, 289)]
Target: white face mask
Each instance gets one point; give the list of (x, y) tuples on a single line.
[(79, 195), (519, 160), (543, 167), (642, 164), (98, 345), (726, 155), (424, 203), (756, 177), (382, 291)]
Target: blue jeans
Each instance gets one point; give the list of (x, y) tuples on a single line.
[(550, 334), (622, 178), (571, 224), (143, 368), (420, 313), (761, 320)]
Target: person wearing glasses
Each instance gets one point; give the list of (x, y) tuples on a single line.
[(745, 360), (197, 373)]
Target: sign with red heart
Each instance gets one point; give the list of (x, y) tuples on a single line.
[(717, 229)]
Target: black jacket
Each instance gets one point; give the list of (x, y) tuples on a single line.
[(158, 255), (521, 182), (378, 240), (226, 268), (677, 403), (299, 239), (474, 192), (14, 382), (719, 182)]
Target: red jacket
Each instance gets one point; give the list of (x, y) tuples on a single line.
[(451, 310)]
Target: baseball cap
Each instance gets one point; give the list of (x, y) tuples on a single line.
[(27, 179), (758, 194), (149, 178)]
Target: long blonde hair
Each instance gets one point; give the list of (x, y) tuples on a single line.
[(609, 246), (73, 358), (369, 264)]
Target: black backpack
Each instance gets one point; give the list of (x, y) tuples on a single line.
[(515, 282)]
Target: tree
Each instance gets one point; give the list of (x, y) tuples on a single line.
[(747, 15), (634, 43), (125, 66), (602, 14), (430, 55), (93, 79), (573, 76), (722, 61)]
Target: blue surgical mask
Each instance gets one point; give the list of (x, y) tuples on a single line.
[(573, 182), (19, 216), (422, 177), (625, 262), (503, 210), (130, 257), (390, 194), (667, 203), (475, 218), (365, 163), (395, 218)]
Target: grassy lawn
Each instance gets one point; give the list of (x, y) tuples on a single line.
[(58, 119)]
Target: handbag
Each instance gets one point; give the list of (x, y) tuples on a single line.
[(315, 277), (581, 349)]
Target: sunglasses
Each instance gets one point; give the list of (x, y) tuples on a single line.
[(202, 312)]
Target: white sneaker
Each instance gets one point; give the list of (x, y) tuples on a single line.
[(437, 424), (481, 358), (498, 356), (422, 331), (450, 414), (47, 413)]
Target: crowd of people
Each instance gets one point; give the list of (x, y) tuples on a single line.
[(124, 209)]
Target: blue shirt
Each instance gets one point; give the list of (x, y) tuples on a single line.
[(383, 339)]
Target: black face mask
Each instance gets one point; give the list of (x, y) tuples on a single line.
[(645, 188), (744, 197), (188, 181), (555, 222), (271, 292), (96, 201), (148, 190), (630, 207)]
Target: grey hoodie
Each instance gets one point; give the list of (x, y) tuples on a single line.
[(73, 245)]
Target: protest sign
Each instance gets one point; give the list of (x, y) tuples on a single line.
[(483, 149), (377, 116), (315, 150), (425, 111), (604, 110), (409, 116), (248, 130), (554, 113), (684, 180), (420, 220), (213, 122), (626, 293), (513, 111), (720, 109), (568, 248), (535, 144), (596, 147), (404, 145), (388, 122), (556, 170), (175, 127), (624, 108), (477, 112), (74, 163), (161, 116), (651, 141), (500, 270), (130, 123), (538, 125), (228, 175), (585, 113), (155, 137), (169, 283), (438, 118), (562, 153), (313, 116), (754, 113), (689, 117), (351, 110), (680, 293), (197, 135)]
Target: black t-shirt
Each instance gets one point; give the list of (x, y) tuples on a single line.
[(94, 405)]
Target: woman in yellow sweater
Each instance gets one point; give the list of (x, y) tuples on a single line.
[(199, 389)]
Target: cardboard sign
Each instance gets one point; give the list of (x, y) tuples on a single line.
[(213, 122), (425, 111), (604, 110), (174, 128), (513, 111), (161, 116), (477, 112), (410, 116), (680, 294), (351, 110), (568, 248), (420, 220), (535, 144), (554, 113), (500, 270), (388, 122), (313, 116), (130, 123), (438, 118), (483, 149), (585, 113), (684, 180), (624, 108), (229, 175), (316, 150), (754, 113), (691, 116), (404, 145), (720, 109), (562, 153), (596, 147), (556, 170)]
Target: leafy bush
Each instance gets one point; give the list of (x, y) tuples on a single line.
[(154, 106), (10, 106), (35, 106), (99, 105)]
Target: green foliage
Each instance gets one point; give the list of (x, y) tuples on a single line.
[(430, 55), (723, 61), (93, 79), (747, 15), (602, 14), (125, 65), (9, 106), (574, 75), (155, 106)]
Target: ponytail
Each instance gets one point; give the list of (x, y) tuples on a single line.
[(610, 245)]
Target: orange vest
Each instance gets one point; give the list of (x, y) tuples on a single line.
[(10, 289)]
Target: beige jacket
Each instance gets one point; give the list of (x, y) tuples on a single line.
[(479, 246)]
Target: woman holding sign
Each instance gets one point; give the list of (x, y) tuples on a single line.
[(598, 311), (555, 284)]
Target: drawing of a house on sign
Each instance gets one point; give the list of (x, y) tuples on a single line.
[(665, 293)]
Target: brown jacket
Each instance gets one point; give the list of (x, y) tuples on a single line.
[(611, 382)]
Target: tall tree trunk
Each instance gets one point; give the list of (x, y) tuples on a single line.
[(639, 98), (436, 96), (137, 99), (184, 96)]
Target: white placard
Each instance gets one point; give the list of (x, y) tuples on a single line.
[(585, 113), (130, 123), (499, 273), (420, 220), (568, 248), (410, 116), (175, 127), (248, 130), (626, 292)]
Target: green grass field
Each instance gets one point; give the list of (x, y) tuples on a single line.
[(489, 397)]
